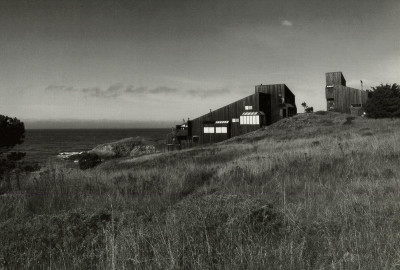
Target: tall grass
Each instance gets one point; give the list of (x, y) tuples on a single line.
[(322, 197)]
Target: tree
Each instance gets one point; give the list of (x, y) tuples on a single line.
[(306, 108), (12, 132), (309, 109), (383, 101)]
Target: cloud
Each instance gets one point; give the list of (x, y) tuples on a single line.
[(119, 89), (287, 23), (112, 91), (139, 90), (58, 88), (202, 93), (163, 90)]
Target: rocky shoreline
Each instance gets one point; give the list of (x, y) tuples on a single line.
[(129, 147)]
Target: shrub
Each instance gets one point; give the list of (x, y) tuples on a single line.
[(88, 160), (384, 101), (12, 133)]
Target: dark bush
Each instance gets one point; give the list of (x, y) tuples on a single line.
[(88, 160), (12, 132), (16, 156), (384, 101), (31, 167)]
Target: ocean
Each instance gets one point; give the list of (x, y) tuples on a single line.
[(42, 144)]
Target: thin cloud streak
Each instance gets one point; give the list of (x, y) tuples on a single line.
[(287, 23), (119, 89)]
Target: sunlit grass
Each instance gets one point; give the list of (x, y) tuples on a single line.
[(321, 197)]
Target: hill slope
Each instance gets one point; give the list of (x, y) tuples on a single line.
[(314, 191)]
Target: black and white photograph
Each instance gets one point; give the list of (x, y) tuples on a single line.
[(199, 134)]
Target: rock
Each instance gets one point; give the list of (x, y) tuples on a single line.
[(70, 155), (127, 147), (89, 160), (143, 150)]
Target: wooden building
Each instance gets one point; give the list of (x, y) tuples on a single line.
[(343, 99), (268, 104)]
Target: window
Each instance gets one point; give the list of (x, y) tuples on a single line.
[(235, 120), (250, 118), (221, 130), (248, 108), (208, 129)]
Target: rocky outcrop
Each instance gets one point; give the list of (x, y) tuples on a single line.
[(70, 155), (143, 150), (127, 147)]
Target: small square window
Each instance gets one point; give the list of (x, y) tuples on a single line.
[(209, 130), (221, 130), (247, 108)]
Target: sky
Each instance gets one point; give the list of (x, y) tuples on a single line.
[(155, 62)]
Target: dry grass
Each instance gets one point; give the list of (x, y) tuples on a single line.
[(324, 196)]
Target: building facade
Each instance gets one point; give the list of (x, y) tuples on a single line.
[(267, 105), (343, 99)]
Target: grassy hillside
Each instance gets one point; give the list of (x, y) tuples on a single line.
[(315, 191)]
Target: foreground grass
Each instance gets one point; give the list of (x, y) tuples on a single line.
[(320, 197)]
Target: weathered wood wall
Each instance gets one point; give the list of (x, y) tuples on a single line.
[(226, 113), (344, 96), (268, 99), (277, 92), (335, 78), (341, 97)]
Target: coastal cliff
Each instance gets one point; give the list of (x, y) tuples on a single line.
[(126, 147)]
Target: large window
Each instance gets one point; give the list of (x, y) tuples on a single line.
[(250, 118), (221, 130), (209, 130)]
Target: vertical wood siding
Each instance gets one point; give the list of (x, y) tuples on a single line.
[(341, 95), (276, 90), (344, 96), (266, 99), (226, 113), (335, 78)]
